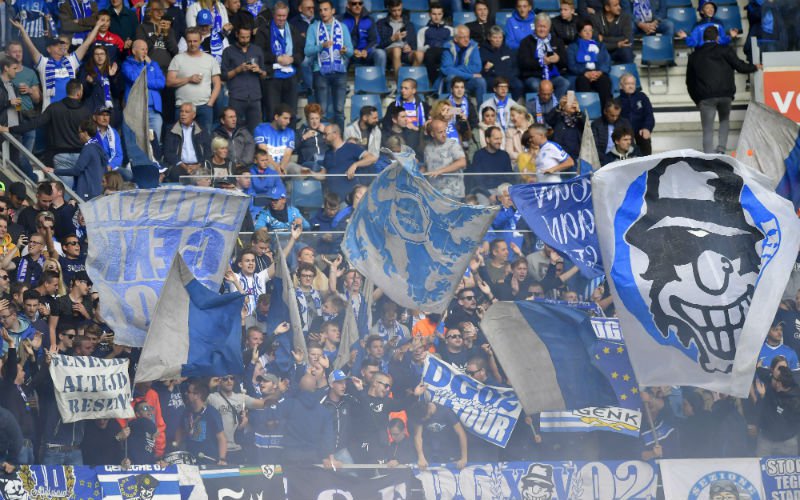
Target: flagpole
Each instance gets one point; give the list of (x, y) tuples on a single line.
[(652, 425)]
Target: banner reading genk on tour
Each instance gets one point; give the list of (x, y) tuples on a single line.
[(134, 237)]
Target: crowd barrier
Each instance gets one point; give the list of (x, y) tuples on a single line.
[(742, 478)]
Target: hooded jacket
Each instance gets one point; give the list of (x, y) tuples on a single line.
[(518, 28), (710, 71)]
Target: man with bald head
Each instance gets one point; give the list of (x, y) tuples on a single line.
[(462, 57), (543, 102), (344, 158), (444, 162), (137, 62)]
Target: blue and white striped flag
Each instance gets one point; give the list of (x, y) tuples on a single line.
[(412, 241)]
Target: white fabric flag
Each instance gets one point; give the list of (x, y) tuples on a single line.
[(709, 479), (89, 388), (697, 249), (767, 141)]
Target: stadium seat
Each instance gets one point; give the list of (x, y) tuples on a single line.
[(419, 74), (730, 17), (306, 193), (502, 16), (358, 101), (416, 5), (548, 5), (657, 52), (617, 70), (530, 96), (370, 80), (682, 17), (679, 3), (375, 5), (419, 19), (463, 17), (590, 102), (726, 2)]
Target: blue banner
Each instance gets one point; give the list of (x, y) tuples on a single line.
[(486, 411), (136, 234), (139, 481), (781, 477), (561, 215)]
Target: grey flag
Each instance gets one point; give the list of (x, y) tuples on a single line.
[(766, 141), (588, 147), (289, 298), (136, 113)]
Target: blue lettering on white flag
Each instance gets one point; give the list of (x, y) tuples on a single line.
[(136, 234), (561, 214), (486, 411)]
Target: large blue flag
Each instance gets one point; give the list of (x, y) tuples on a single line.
[(561, 214), (412, 241), (195, 332), (553, 345), (770, 143)]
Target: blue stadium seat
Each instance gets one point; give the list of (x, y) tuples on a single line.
[(590, 102), (357, 101), (548, 5), (617, 70), (502, 16), (419, 19), (657, 50), (683, 18), (375, 5), (530, 96), (306, 193), (463, 17), (726, 2), (679, 3), (418, 73), (730, 17), (370, 80), (416, 5)]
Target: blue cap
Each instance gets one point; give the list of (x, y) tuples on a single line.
[(277, 192), (336, 376), (702, 3), (204, 18)]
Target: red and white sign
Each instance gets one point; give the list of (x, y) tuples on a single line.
[(782, 92)]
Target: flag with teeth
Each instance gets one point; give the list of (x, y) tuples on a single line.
[(697, 249)]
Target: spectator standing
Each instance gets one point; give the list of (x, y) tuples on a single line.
[(283, 45), (328, 44), (711, 85), (29, 90), (110, 41), (139, 61), (499, 62), (551, 158), (636, 107), (462, 57), (590, 62), (196, 77), (444, 160), (520, 24), (110, 141), (232, 407), (774, 347), (77, 19), (779, 414), (542, 56), (243, 69), (436, 435), (519, 121), (158, 33), (614, 29), (219, 23), (92, 163), (124, 23), (301, 22), (489, 161), (201, 430)]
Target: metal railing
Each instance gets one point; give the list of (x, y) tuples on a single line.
[(9, 141)]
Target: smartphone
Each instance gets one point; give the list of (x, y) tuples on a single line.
[(570, 98)]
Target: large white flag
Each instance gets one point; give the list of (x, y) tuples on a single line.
[(738, 478), (88, 388), (698, 250)]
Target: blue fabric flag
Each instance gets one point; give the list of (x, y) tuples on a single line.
[(552, 344), (195, 332), (561, 215), (412, 241), (611, 357), (141, 481)]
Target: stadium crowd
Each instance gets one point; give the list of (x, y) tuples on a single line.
[(223, 85)]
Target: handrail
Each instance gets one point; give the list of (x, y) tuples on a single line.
[(36, 161)]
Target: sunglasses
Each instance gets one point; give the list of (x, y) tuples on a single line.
[(70, 243), (455, 337), (471, 297), (69, 335), (384, 384), (356, 3), (228, 378)]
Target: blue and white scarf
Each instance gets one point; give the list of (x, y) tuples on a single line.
[(81, 9), (106, 83), (330, 60), (50, 73), (305, 311), (282, 45), (502, 112), (387, 333), (414, 110), (642, 11), (254, 8), (216, 35), (588, 51), (543, 46), (539, 112)]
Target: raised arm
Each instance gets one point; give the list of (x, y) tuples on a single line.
[(35, 54)]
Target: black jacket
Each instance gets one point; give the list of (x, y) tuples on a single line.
[(480, 31), (264, 40), (385, 32), (566, 31), (529, 65), (600, 131), (710, 72), (173, 142), (62, 119), (10, 437), (503, 62)]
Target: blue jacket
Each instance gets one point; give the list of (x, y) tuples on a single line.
[(263, 185), (364, 34), (309, 428), (695, 38), (313, 48), (266, 219), (89, 170), (471, 64), (603, 63), (638, 110), (517, 29), (131, 69)]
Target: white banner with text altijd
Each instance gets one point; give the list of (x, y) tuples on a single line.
[(89, 388)]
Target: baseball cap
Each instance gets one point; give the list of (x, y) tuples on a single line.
[(337, 376), (268, 377), (102, 109), (277, 192), (204, 18), (52, 41), (82, 276)]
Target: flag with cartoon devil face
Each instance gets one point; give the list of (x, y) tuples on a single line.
[(698, 250)]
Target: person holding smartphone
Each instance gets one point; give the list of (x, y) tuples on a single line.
[(398, 37)]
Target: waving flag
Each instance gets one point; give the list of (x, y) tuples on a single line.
[(770, 143), (561, 214), (553, 345), (413, 242), (697, 249), (588, 158), (136, 113), (195, 332)]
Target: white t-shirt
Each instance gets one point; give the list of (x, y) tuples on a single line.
[(550, 154), (229, 411), (62, 75), (186, 66)]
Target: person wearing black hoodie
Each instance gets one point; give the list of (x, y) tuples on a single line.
[(16, 400), (779, 414), (308, 434), (696, 430)]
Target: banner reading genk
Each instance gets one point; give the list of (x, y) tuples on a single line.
[(134, 237), (488, 412), (561, 214)]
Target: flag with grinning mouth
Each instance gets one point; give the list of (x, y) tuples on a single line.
[(698, 250)]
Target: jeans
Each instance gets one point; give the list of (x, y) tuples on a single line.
[(25, 456), (155, 122), (248, 113), (767, 448), (52, 456), (708, 109), (307, 77), (331, 91), (28, 140), (377, 58), (205, 116), (65, 161), (560, 85)]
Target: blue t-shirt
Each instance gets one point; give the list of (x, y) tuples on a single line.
[(277, 141), (768, 353), (337, 162), (200, 431)]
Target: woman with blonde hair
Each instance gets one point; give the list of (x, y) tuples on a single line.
[(112, 182), (220, 163), (51, 264), (520, 121)]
